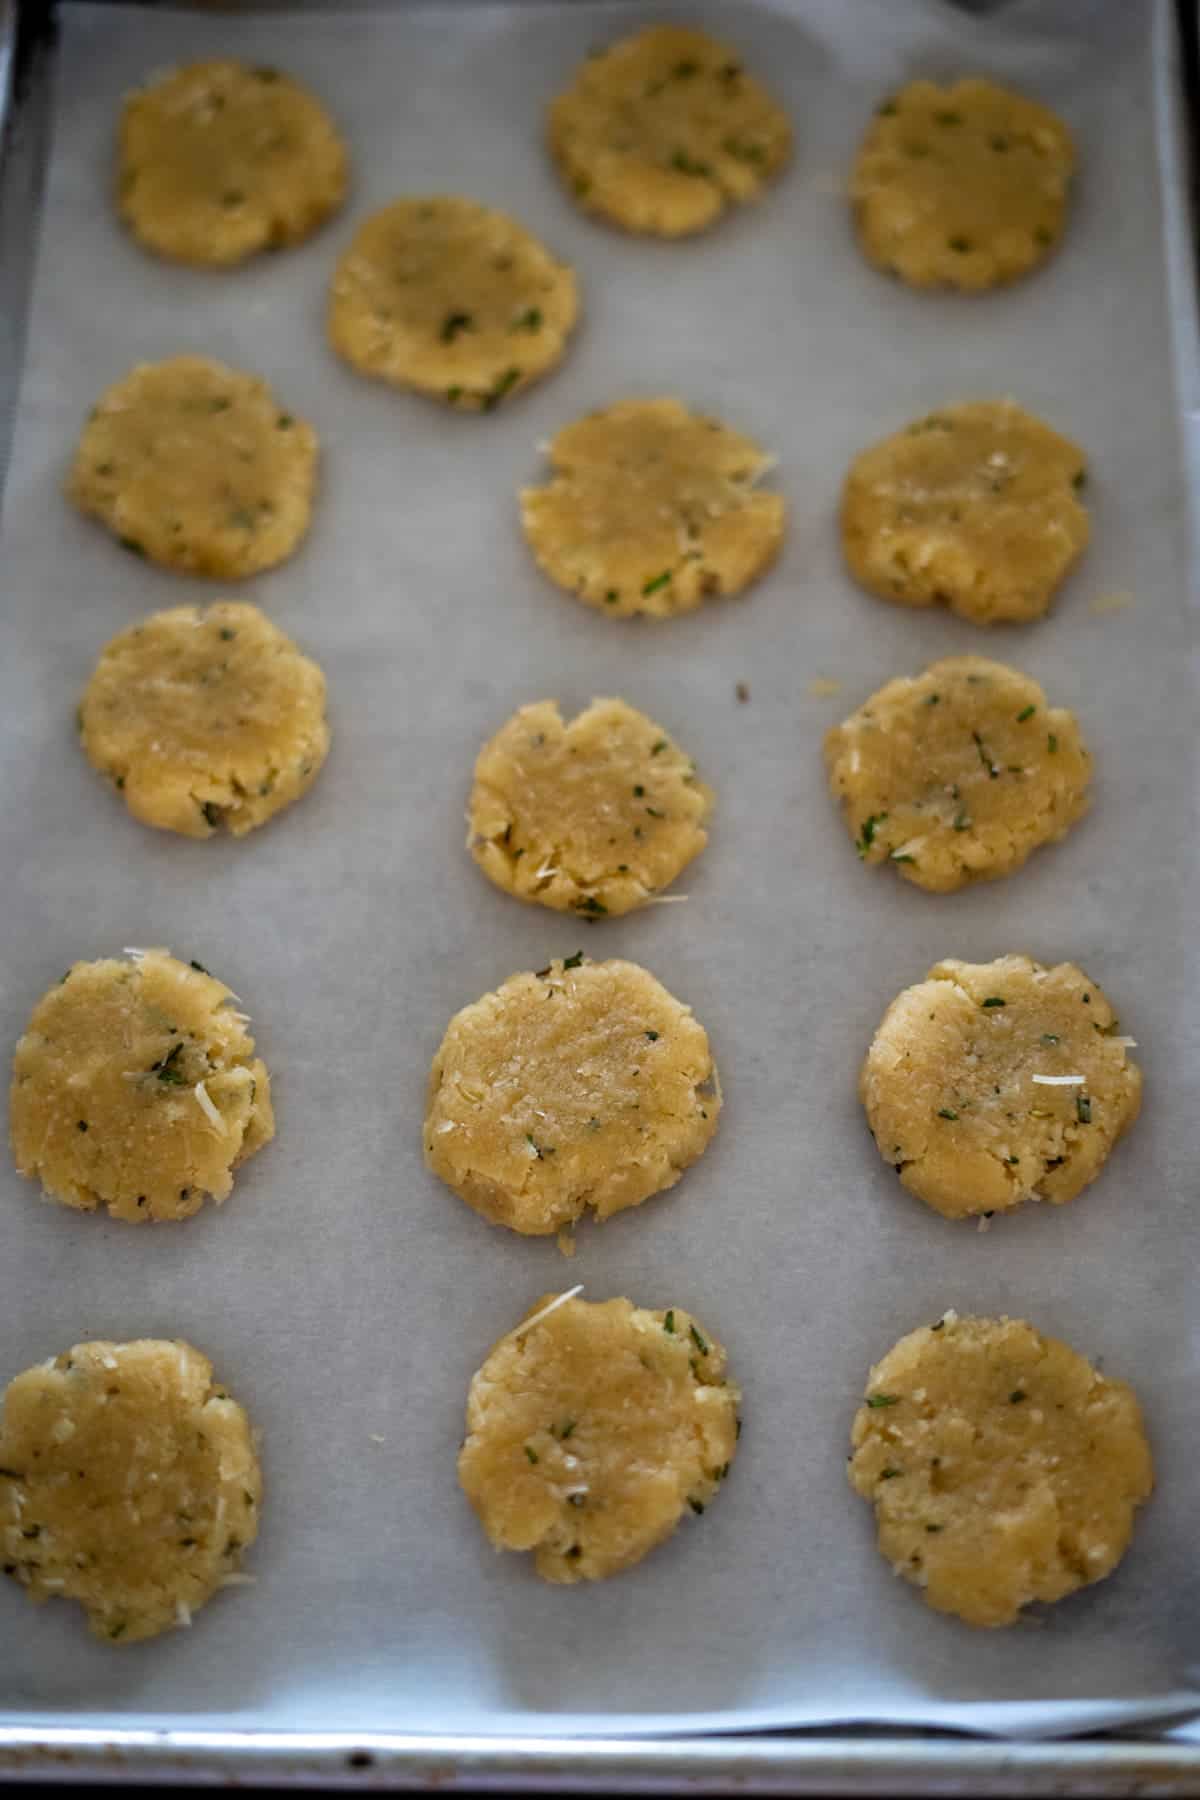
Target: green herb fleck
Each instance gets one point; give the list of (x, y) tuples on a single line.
[(1049, 1037), (567, 1429), (655, 813), (117, 1630), (1016, 1397), (166, 1068), (655, 582), (656, 748), (1083, 1109), (1052, 744), (531, 1454), (454, 395), (994, 1000), (960, 245), (933, 1528), (1026, 714), (503, 385), (946, 1112), (698, 1340), (867, 835), (573, 962), (875, 1401), (890, 1474), (588, 903), (687, 165), (134, 549), (653, 1036), (1079, 480), (227, 635), (453, 323), (961, 822), (669, 1322), (900, 856), (284, 422), (611, 598), (530, 320), (82, 1125), (697, 1506), (211, 811)]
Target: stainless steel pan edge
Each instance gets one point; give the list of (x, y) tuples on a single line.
[(866, 1762)]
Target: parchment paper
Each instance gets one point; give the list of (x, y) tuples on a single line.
[(344, 1294)]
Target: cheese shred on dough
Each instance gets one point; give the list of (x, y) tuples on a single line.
[(136, 1088), (129, 1482), (586, 1084), (1002, 1467), (593, 1431)]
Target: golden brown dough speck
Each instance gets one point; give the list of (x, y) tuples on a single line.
[(219, 160), (975, 508), (128, 1482), (664, 130), (594, 817), (652, 509), (586, 1084), (989, 1084), (592, 1430), (963, 186), (196, 466), (958, 774), (205, 719), (449, 297), (136, 1088), (1003, 1468)]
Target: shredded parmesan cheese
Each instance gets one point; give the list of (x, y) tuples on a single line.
[(545, 1311), (1058, 1080), (209, 1110)]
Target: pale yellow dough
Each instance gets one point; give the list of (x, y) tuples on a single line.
[(135, 1087), (958, 774), (586, 1084), (974, 507), (1003, 1468), (196, 466), (652, 509), (205, 719), (593, 817), (989, 1084), (963, 186), (664, 130), (128, 1482), (446, 296), (219, 160), (592, 1429)]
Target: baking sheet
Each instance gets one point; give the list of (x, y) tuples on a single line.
[(345, 1295)]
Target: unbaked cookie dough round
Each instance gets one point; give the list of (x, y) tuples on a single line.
[(958, 774), (664, 130), (205, 719), (1003, 1468), (975, 507), (989, 1084), (196, 466), (128, 1482), (587, 1084), (591, 1428), (136, 1088), (652, 509), (594, 817), (446, 296), (219, 160), (963, 186)]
